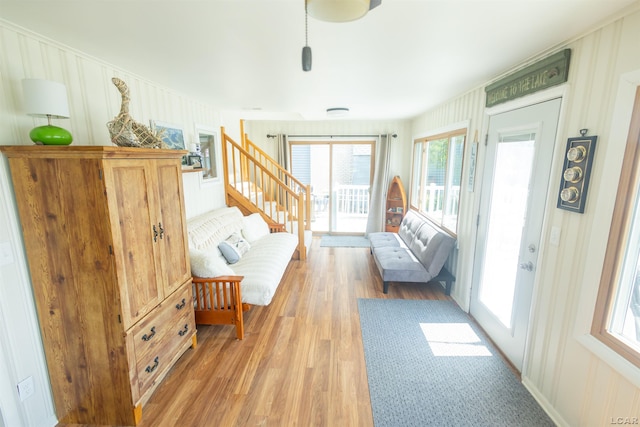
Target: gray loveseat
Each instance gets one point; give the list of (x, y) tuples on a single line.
[(416, 253)]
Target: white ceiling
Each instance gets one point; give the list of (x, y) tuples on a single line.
[(400, 60)]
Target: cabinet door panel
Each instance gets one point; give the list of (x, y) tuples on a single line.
[(130, 194), (174, 241)]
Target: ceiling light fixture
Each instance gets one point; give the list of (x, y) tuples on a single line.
[(339, 10), (306, 50), (337, 112)]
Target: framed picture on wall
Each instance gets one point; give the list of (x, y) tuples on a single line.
[(172, 134)]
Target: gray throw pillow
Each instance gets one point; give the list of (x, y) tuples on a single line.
[(229, 252)]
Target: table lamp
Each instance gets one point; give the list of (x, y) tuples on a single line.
[(44, 98)]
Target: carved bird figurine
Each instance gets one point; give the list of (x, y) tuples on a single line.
[(126, 132)]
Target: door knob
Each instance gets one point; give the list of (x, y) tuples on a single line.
[(527, 266)]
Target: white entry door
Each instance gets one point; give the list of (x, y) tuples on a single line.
[(515, 183)]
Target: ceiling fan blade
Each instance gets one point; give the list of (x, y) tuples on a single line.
[(374, 3)]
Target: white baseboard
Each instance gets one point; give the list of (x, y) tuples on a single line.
[(545, 404)]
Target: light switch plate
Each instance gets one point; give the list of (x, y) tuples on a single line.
[(554, 239), (6, 253)]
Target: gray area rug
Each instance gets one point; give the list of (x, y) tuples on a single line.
[(428, 365), (344, 241)]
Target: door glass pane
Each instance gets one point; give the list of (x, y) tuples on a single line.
[(351, 168), (310, 164), (507, 213)]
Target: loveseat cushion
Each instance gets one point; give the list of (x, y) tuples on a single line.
[(254, 227), (264, 265), (400, 265), (385, 239), (208, 264), (206, 231), (409, 226), (432, 247)]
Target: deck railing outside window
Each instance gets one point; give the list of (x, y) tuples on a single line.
[(349, 199)]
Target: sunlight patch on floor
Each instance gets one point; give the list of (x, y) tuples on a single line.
[(453, 339)]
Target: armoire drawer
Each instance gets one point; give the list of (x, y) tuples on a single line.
[(149, 332), (156, 363), (158, 336)]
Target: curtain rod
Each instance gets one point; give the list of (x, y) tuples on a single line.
[(332, 136)]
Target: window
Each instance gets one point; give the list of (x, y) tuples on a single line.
[(208, 152), (435, 181), (617, 316)]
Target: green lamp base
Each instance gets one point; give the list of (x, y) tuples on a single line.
[(50, 135)]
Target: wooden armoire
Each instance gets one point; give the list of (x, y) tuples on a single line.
[(105, 237)]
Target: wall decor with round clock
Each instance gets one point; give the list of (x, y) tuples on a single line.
[(576, 172)]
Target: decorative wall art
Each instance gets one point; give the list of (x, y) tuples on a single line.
[(550, 71), (171, 134), (576, 172)]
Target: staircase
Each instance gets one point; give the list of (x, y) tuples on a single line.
[(256, 183)]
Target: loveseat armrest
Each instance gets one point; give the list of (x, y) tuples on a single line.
[(218, 301), (276, 228), (221, 279)]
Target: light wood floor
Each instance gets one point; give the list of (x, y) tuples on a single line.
[(301, 362)]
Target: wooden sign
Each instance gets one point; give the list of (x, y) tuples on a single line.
[(548, 72)]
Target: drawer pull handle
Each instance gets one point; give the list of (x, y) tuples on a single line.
[(156, 362), (184, 330), (155, 233), (161, 229), (146, 337), (182, 304)]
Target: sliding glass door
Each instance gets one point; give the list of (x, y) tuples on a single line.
[(340, 176)]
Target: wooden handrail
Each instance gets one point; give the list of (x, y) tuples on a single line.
[(284, 175), (277, 201)]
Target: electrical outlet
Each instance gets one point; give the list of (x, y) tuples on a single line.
[(26, 388)]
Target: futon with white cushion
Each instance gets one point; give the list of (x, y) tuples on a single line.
[(236, 262)]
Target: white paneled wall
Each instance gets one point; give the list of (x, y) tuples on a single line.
[(576, 386), (93, 101)]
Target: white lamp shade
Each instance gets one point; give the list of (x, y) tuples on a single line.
[(337, 10), (43, 98)]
